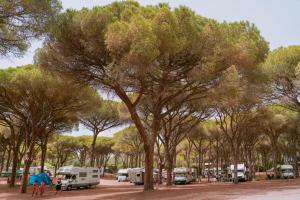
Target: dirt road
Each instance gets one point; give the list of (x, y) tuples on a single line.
[(113, 190)]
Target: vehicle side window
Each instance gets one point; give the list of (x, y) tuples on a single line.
[(95, 171), (74, 177), (95, 176), (82, 174)]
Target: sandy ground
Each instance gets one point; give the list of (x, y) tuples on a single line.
[(113, 190)]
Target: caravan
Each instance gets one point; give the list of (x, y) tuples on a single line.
[(242, 173), (136, 176), (183, 175), (77, 177), (284, 171), (123, 175)]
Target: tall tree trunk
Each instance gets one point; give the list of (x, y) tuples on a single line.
[(14, 167), (235, 163), (275, 159), (136, 159), (8, 159), (2, 161), (169, 165), (92, 162), (295, 165), (27, 162), (148, 178), (199, 165), (43, 153), (217, 157)]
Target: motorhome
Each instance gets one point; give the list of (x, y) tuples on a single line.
[(136, 176), (77, 177), (242, 173), (122, 175), (182, 175), (194, 174), (284, 171)]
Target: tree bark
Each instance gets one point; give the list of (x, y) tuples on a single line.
[(27, 162), (14, 167), (235, 163), (2, 161), (148, 178), (170, 165), (8, 159), (92, 163), (44, 153)]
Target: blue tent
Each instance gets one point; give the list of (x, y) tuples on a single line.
[(39, 178)]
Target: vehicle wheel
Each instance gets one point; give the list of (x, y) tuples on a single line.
[(69, 188)]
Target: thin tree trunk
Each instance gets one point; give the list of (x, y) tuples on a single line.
[(43, 154), (14, 167), (2, 161), (92, 163), (235, 163), (8, 159)]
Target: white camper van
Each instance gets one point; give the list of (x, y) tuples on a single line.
[(122, 175), (77, 177), (284, 171), (183, 175), (241, 172), (136, 175)]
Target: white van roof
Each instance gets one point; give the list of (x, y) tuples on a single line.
[(239, 166), (286, 167), (123, 171), (72, 169)]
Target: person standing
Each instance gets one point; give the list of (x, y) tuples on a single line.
[(54, 182), (42, 188), (35, 189), (58, 187)]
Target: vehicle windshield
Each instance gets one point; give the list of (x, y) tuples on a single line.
[(180, 174), (123, 174), (241, 171), (286, 170)]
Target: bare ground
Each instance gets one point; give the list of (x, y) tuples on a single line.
[(113, 190)]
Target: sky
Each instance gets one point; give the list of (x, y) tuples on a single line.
[(278, 21)]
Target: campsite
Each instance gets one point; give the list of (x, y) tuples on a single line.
[(139, 99)]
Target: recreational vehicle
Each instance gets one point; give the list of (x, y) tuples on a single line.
[(284, 171), (122, 175), (183, 175), (77, 177), (241, 172), (136, 176)]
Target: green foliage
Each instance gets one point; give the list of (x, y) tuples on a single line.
[(23, 20), (284, 62)]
